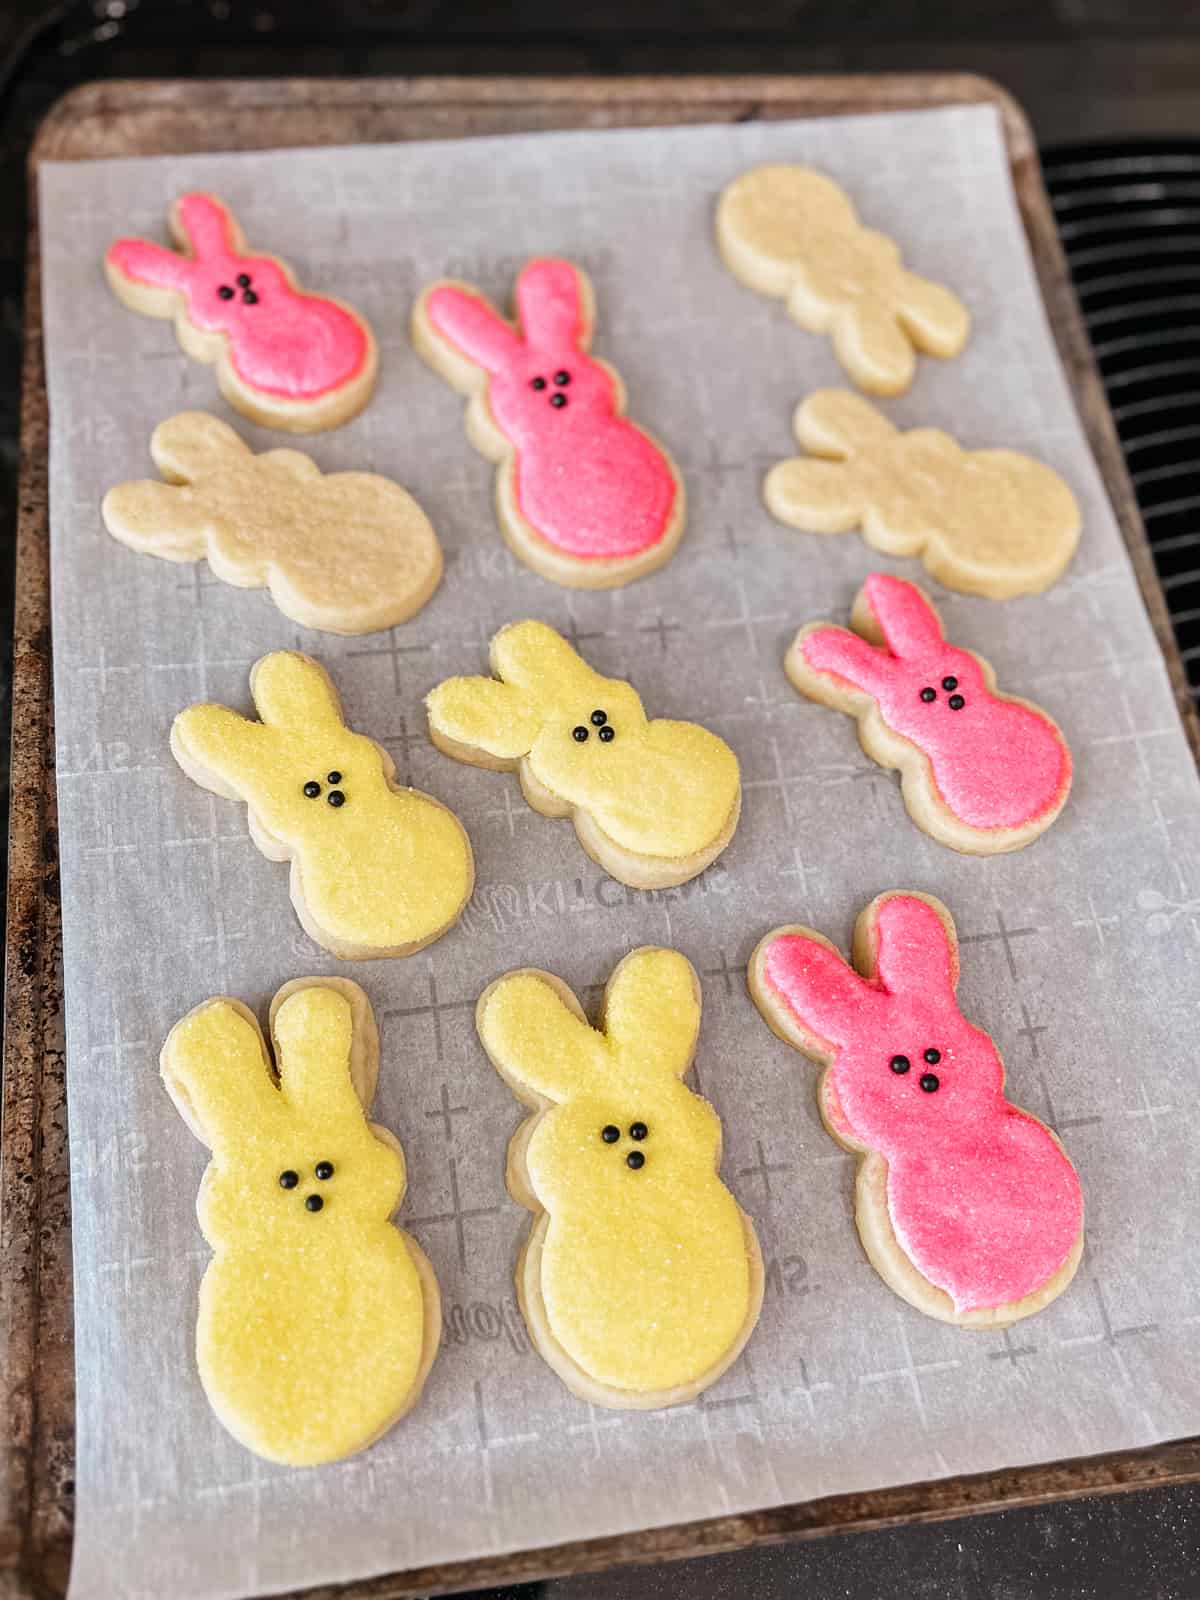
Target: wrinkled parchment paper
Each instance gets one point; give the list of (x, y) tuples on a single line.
[(1079, 954)]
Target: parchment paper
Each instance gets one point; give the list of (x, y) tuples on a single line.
[(1078, 954)]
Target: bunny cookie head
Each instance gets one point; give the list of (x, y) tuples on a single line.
[(982, 772), (643, 1281), (789, 232), (376, 870), (653, 801), (967, 1206), (285, 358), (318, 1320), (584, 495), (988, 522), (348, 552)]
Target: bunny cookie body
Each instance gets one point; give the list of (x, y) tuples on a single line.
[(988, 522), (654, 802), (318, 1318), (347, 552), (789, 232), (377, 870), (983, 772), (285, 358), (583, 495), (641, 1280), (967, 1206)]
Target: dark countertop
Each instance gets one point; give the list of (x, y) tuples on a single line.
[(1085, 70)]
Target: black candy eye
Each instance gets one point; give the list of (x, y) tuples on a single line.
[(599, 718), (312, 789), (900, 1063), (610, 1133), (635, 1159), (929, 1082), (314, 1203), (243, 280), (336, 798), (933, 1057), (957, 702), (579, 733), (537, 383), (607, 735), (288, 1179), (558, 401), (928, 694), (562, 378), (949, 683), (638, 1130), (333, 777), (323, 1170), (224, 292)]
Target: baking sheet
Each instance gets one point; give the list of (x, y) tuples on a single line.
[(1077, 953)]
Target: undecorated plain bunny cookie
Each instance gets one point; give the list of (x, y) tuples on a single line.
[(584, 496), (989, 522), (346, 552), (653, 803), (377, 870), (982, 771), (285, 358), (319, 1319), (790, 233), (967, 1206), (641, 1279)]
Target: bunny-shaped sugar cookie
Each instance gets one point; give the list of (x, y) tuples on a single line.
[(989, 522), (653, 802), (967, 1206), (584, 496), (982, 771), (641, 1279), (319, 1320), (347, 552), (285, 358), (376, 870), (790, 233)]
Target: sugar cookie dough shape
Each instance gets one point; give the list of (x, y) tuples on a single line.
[(967, 1206), (345, 552), (982, 772), (584, 496), (641, 1279), (988, 522), (653, 802), (790, 233), (318, 1318), (284, 357), (377, 870)]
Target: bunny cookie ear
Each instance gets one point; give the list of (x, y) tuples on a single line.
[(554, 303), (652, 1011), (137, 263), (538, 1041), (836, 423), (193, 445), (808, 994), (894, 612), (216, 1070), (291, 690), (217, 748), (822, 648), (935, 319), (483, 715), (908, 943), (465, 320), (535, 658), (313, 1031), (202, 224)]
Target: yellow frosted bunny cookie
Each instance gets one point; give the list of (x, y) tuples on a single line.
[(641, 1279), (347, 552), (318, 1319), (377, 870), (793, 234), (989, 522), (653, 802)]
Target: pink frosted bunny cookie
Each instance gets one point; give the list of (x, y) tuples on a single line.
[(584, 496), (981, 771), (967, 1206), (290, 360)]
